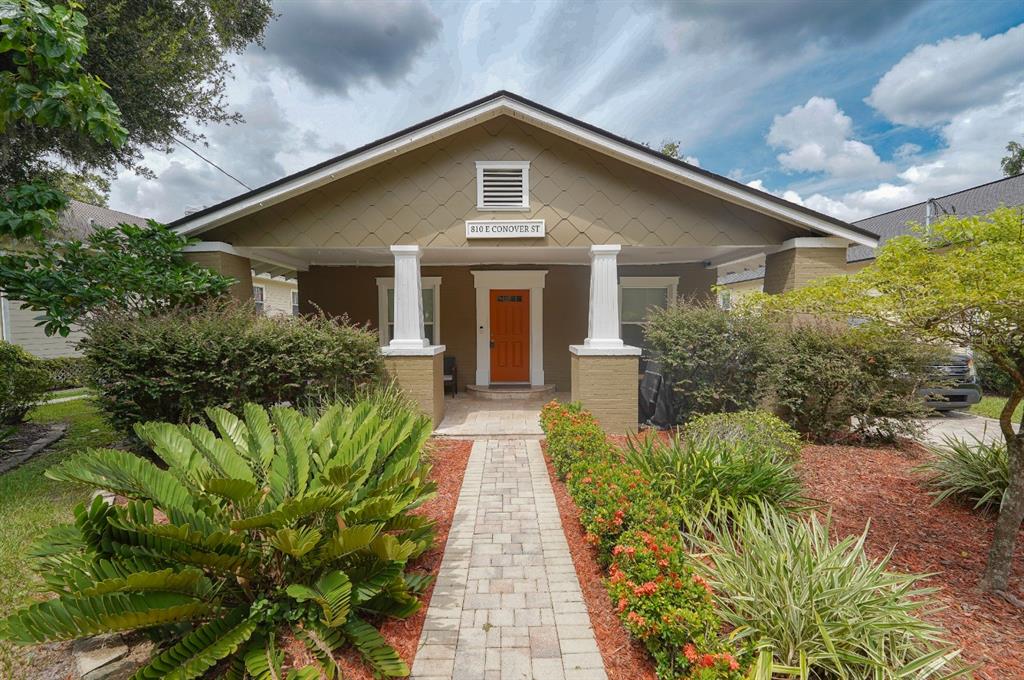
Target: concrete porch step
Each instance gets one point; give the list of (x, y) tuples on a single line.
[(523, 392)]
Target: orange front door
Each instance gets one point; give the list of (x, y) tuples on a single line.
[(510, 336)]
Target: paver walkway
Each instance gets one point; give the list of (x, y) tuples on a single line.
[(467, 416), (507, 604)]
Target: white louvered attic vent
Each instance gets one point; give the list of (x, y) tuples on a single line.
[(503, 185)]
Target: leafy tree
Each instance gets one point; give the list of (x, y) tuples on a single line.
[(959, 283), (86, 187), (1013, 164), (125, 267), (46, 92), (165, 64)]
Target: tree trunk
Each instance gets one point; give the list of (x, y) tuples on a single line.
[(1011, 512)]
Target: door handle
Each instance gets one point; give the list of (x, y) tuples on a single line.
[(492, 344)]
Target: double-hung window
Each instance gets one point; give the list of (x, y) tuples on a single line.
[(259, 296), (637, 296), (431, 292), (295, 303)]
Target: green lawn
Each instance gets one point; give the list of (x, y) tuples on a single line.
[(991, 407), (30, 504), (70, 392)]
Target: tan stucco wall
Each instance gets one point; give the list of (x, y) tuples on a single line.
[(352, 291), (607, 387), (277, 295), (796, 267), (422, 380), (424, 196), (238, 268)]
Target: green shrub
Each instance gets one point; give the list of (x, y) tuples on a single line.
[(817, 608), (993, 379), (978, 471), (713, 357), (837, 383), (172, 365), (22, 383), (702, 476), (658, 598), (275, 523), (755, 429), (66, 372)]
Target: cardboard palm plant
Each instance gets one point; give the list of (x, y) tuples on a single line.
[(273, 523)]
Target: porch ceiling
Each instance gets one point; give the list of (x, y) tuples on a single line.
[(376, 257)]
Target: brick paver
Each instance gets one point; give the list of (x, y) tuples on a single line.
[(507, 604)]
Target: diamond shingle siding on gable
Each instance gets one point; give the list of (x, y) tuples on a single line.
[(424, 196)]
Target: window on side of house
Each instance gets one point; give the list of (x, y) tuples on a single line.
[(637, 295), (295, 303), (502, 185), (260, 298), (431, 309)]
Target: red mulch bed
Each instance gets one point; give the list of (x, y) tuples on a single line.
[(624, 657), (449, 458), (950, 539)]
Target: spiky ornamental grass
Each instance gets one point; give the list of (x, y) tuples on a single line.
[(275, 522), (818, 608), (977, 470), (708, 476)]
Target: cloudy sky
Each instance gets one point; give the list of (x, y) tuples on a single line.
[(850, 108)]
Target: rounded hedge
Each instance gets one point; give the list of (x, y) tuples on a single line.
[(173, 365)]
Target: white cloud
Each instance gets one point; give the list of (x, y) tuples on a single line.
[(936, 82), (818, 138), (904, 151)]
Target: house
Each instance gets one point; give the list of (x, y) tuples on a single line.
[(523, 243), (273, 293), (742, 276)]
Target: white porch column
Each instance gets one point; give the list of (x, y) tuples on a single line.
[(603, 330), (408, 299)]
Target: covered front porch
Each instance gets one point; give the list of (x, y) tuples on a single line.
[(568, 319)]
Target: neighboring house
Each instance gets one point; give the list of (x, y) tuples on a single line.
[(18, 325), (508, 236), (743, 276), (275, 295)]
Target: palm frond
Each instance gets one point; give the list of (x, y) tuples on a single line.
[(201, 649)]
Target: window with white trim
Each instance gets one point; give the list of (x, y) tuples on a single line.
[(259, 296), (503, 185), (295, 303), (637, 296), (431, 309)]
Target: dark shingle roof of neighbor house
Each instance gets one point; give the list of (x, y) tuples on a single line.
[(977, 200), (79, 220)]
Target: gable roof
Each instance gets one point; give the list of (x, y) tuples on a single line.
[(979, 200), (508, 103), (80, 219)]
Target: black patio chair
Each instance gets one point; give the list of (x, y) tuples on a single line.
[(451, 375)]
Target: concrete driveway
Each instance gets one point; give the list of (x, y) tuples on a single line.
[(962, 425)]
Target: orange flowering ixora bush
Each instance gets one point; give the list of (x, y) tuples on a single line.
[(659, 598)]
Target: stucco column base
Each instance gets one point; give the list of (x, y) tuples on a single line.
[(227, 264), (605, 382), (795, 267), (419, 372)]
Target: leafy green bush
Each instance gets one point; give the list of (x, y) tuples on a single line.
[(276, 522), (817, 608), (22, 383), (66, 372), (755, 429), (705, 476), (836, 383), (713, 357), (977, 470), (172, 365), (993, 378), (658, 598)]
